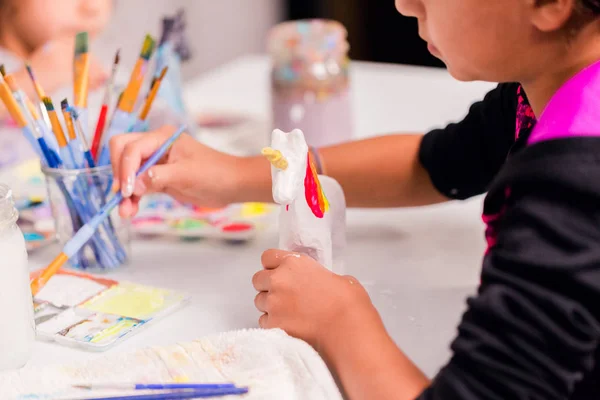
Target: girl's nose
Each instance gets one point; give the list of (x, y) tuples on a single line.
[(411, 8)]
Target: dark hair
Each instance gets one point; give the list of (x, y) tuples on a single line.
[(592, 5)]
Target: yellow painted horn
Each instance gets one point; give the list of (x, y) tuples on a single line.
[(275, 158)]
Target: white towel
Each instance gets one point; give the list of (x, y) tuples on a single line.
[(272, 364)]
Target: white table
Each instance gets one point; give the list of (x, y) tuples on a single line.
[(418, 264)]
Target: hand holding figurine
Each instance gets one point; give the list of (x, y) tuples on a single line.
[(309, 302)]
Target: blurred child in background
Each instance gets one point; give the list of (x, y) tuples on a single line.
[(42, 34)]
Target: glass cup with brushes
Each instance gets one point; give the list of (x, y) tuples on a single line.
[(80, 178)]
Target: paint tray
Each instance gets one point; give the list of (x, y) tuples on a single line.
[(93, 313), (160, 215)]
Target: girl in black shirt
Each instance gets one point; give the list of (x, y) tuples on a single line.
[(533, 330)]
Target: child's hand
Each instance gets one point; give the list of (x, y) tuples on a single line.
[(190, 172), (53, 66), (306, 300)]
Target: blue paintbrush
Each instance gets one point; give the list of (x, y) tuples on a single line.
[(87, 231), (159, 386), (177, 395)]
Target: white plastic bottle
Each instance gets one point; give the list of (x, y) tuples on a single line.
[(17, 326)]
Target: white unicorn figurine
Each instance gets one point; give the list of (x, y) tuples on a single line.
[(313, 207)]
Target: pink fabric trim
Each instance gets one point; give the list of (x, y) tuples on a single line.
[(574, 110)]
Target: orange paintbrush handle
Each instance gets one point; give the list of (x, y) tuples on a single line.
[(69, 124), (11, 105), (82, 80), (32, 109), (58, 131), (132, 90), (38, 283), (152, 95)]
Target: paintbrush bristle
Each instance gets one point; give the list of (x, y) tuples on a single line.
[(30, 72), (48, 103), (81, 43), (148, 47), (117, 57), (2, 70), (64, 104), (83, 387), (163, 73), (73, 112)]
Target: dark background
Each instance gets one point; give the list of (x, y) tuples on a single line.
[(376, 31)]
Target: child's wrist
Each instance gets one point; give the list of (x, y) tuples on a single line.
[(317, 159), (251, 180), (348, 331)]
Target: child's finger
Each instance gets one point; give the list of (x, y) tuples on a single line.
[(125, 209), (116, 146), (161, 177), (263, 321), (134, 152), (271, 259), (260, 301), (262, 280)]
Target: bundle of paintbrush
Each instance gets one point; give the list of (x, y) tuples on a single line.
[(66, 157), (132, 110), (125, 117), (80, 172)]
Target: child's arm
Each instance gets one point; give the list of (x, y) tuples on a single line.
[(335, 315), (533, 330), (380, 172), (388, 171)]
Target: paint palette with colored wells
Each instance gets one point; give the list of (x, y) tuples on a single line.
[(95, 313), (36, 223), (162, 216)]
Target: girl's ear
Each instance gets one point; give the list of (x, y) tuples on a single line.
[(553, 15)]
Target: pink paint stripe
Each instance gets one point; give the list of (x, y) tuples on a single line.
[(574, 110)]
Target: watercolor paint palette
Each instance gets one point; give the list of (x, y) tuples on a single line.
[(29, 193), (36, 222), (94, 313), (161, 215)]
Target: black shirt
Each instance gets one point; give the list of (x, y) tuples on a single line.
[(533, 329)]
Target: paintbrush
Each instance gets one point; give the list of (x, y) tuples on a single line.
[(33, 132), (79, 129), (40, 93), (101, 125), (81, 70), (59, 133), (152, 95), (31, 114), (19, 117), (81, 76), (140, 122), (178, 395), (74, 143), (123, 118), (130, 95), (45, 134), (159, 386), (87, 231)]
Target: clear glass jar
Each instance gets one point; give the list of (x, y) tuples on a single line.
[(310, 83), (76, 195), (17, 330)]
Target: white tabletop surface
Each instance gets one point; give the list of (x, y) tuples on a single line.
[(419, 265)]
